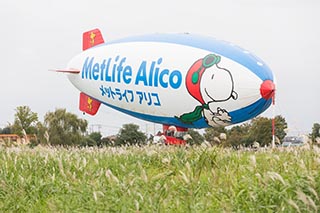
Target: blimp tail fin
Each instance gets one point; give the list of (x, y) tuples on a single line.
[(88, 105), (71, 71), (91, 39)]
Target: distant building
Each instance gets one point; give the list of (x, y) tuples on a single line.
[(15, 139)]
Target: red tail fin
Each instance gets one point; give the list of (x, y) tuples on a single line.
[(88, 104), (71, 71), (92, 38)]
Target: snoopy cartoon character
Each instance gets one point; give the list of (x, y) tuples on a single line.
[(209, 84)]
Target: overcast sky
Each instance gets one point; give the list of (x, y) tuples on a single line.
[(37, 35)]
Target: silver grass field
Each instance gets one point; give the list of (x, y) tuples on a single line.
[(159, 179)]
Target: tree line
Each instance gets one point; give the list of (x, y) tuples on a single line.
[(64, 128)]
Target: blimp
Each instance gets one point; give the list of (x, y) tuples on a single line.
[(179, 80)]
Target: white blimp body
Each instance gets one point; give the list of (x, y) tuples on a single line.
[(179, 80)]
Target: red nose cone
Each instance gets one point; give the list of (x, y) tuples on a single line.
[(267, 89)]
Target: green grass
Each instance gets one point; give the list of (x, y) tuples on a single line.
[(159, 179)]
